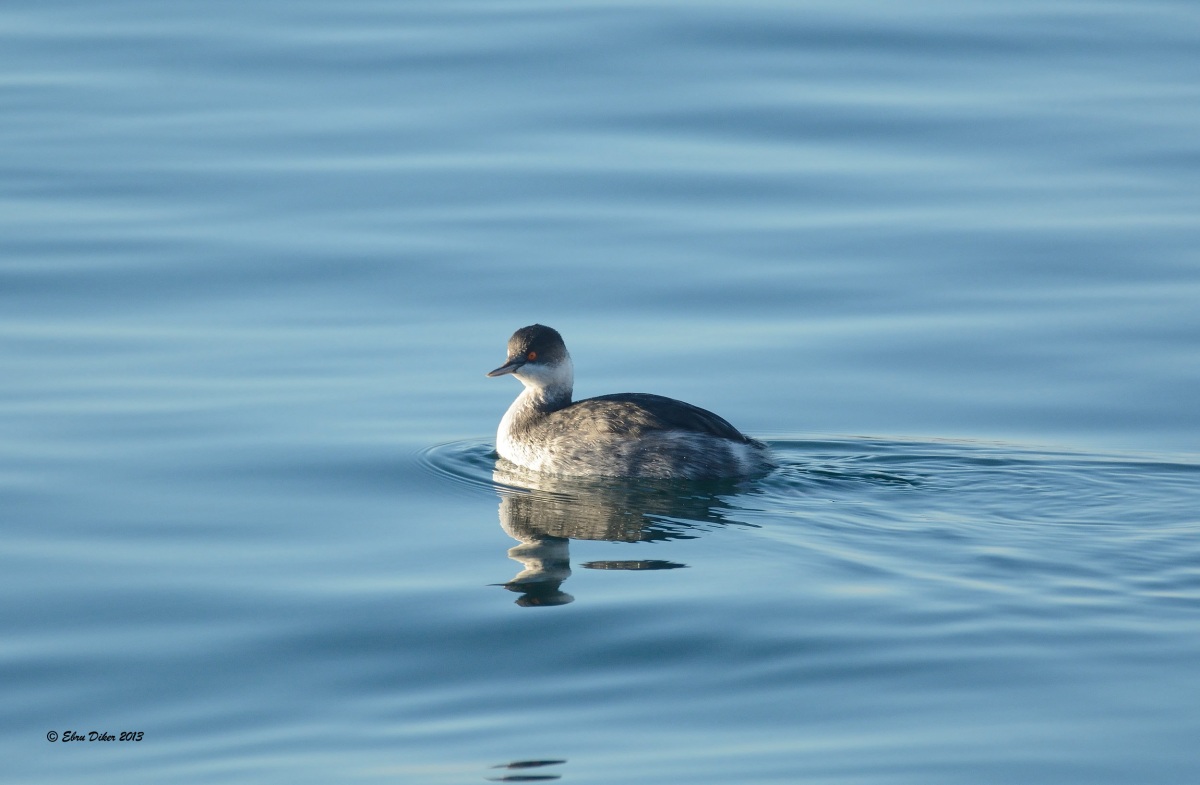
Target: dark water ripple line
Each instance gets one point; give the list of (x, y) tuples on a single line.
[(969, 486)]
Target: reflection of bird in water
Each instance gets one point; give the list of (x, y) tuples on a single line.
[(546, 513), (621, 435), (547, 562)]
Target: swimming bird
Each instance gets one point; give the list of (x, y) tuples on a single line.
[(621, 435)]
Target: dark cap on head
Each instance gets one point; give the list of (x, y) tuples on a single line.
[(535, 343)]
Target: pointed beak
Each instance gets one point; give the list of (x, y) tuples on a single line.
[(508, 367)]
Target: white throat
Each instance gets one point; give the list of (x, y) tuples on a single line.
[(547, 383)]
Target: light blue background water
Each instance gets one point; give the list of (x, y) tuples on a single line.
[(255, 258)]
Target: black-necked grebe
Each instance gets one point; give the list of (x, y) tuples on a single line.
[(622, 435)]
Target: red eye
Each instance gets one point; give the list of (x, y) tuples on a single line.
[(531, 356)]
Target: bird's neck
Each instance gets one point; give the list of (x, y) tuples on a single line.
[(545, 399), (548, 390)]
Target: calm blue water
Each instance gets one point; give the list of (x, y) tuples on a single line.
[(256, 257)]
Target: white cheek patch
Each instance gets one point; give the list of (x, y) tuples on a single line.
[(538, 375)]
